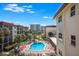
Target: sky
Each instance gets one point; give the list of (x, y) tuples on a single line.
[(29, 13)]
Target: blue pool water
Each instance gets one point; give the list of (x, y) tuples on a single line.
[(37, 46)]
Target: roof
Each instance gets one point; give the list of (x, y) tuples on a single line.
[(21, 26), (51, 26), (60, 9), (11, 24), (6, 23)]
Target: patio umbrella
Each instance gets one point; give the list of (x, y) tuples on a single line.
[(23, 46)]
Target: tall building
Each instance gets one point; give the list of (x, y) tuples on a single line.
[(35, 27), (43, 29), (8, 33), (67, 18)]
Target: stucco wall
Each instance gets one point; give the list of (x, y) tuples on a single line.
[(50, 29), (68, 27), (72, 29)]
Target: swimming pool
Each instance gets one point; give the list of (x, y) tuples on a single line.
[(37, 46)]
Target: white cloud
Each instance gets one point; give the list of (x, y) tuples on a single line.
[(43, 24), (31, 12), (14, 8), (18, 9), (28, 9), (47, 17), (12, 5), (6, 20), (8, 8), (24, 6), (29, 6)]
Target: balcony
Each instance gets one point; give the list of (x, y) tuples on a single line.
[(0, 40), (9, 47), (0, 48), (6, 39)]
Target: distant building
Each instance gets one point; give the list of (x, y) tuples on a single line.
[(67, 18), (50, 31), (35, 27), (21, 29), (43, 29)]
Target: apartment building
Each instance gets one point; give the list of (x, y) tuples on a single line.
[(50, 30), (8, 33), (43, 29), (35, 27), (67, 18), (21, 29)]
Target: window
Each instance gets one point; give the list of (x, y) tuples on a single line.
[(60, 35), (15, 31), (0, 40), (72, 11), (50, 34), (60, 19), (5, 39), (10, 39), (0, 48), (73, 40), (60, 52)]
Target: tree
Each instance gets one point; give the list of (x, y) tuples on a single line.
[(38, 33), (28, 35)]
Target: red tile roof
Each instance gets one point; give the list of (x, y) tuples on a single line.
[(6, 24)]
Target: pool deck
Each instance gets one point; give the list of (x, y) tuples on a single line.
[(47, 51)]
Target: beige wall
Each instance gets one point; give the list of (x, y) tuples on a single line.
[(50, 29), (60, 42), (69, 26)]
